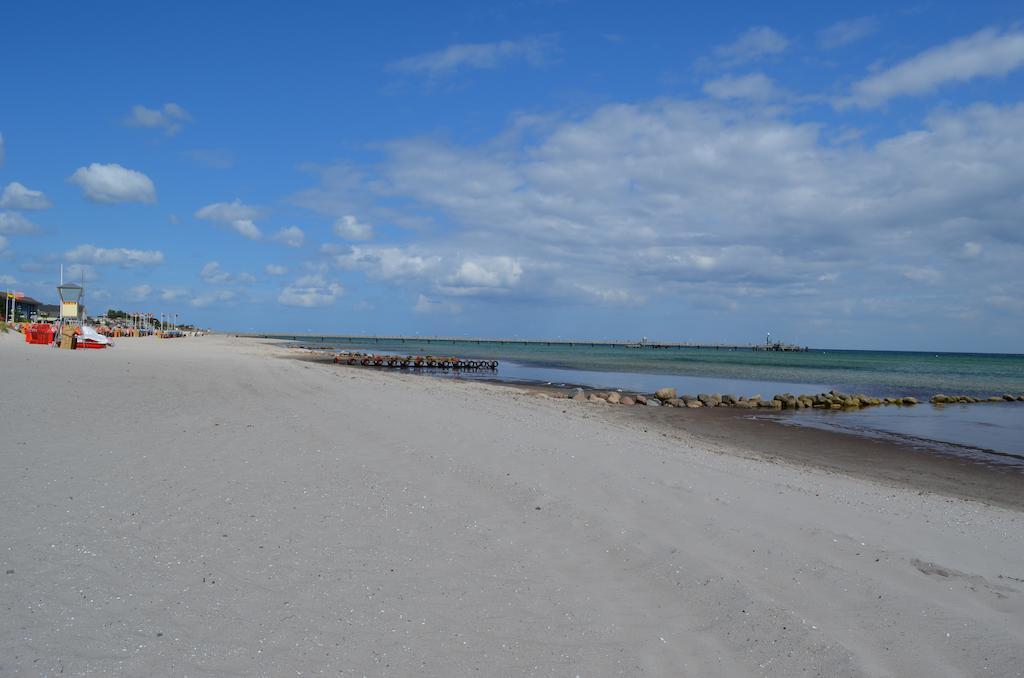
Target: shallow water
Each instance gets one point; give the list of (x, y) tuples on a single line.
[(988, 432), (634, 381)]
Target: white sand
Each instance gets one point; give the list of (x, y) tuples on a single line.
[(204, 507)]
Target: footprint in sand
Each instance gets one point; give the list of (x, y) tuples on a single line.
[(973, 582)]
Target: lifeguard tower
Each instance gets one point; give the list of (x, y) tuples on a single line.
[(71, 309)]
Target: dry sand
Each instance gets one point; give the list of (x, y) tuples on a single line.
[(211, 507)]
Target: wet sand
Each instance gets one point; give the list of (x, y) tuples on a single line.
[(211, 507), (899, 465)]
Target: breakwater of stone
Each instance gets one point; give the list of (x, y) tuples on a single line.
[(832, 400)]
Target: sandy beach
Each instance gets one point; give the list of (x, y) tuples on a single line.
[(215, 506)]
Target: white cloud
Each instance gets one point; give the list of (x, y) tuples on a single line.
[(756, 86), (247, 229), (310, 291), (699, 203), (533, 51), (387, 263), (120, 256), (274, 269), (213, 273), (235, 215), (448, 273), (492, 272), (139, 292), (113, 184), (350, 228), (12, 222), (754, 44), (6, 279), (847, 32), (426, 305), (171, 117), (174, 293), (210, 298), (80, 272), (292, 236), (987, 53), (679, 173), (226, 212), (20, 197), (342, 192)]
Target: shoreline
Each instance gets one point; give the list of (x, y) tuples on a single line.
[(744, 433), (987, 428)]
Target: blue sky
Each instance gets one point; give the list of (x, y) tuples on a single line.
[(841, 176)]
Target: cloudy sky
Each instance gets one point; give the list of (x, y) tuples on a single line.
[(841, 176)]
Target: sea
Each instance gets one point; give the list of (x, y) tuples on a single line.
[(993, 432)]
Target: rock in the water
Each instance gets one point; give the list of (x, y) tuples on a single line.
[(581, 397), (938, 398), (594, 398), (909, 401), (1008, 398), (995, 399), (694, 404), (640, 400), (666, 393), (627, 400), (653, 402), (575, 392), (614, 397), (704, 398), (728, 399), (674, 402)]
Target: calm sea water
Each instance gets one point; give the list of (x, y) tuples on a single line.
[(743, 372)]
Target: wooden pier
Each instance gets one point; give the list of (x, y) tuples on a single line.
[(365, 339)]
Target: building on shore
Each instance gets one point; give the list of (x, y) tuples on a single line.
[(25, 308)]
